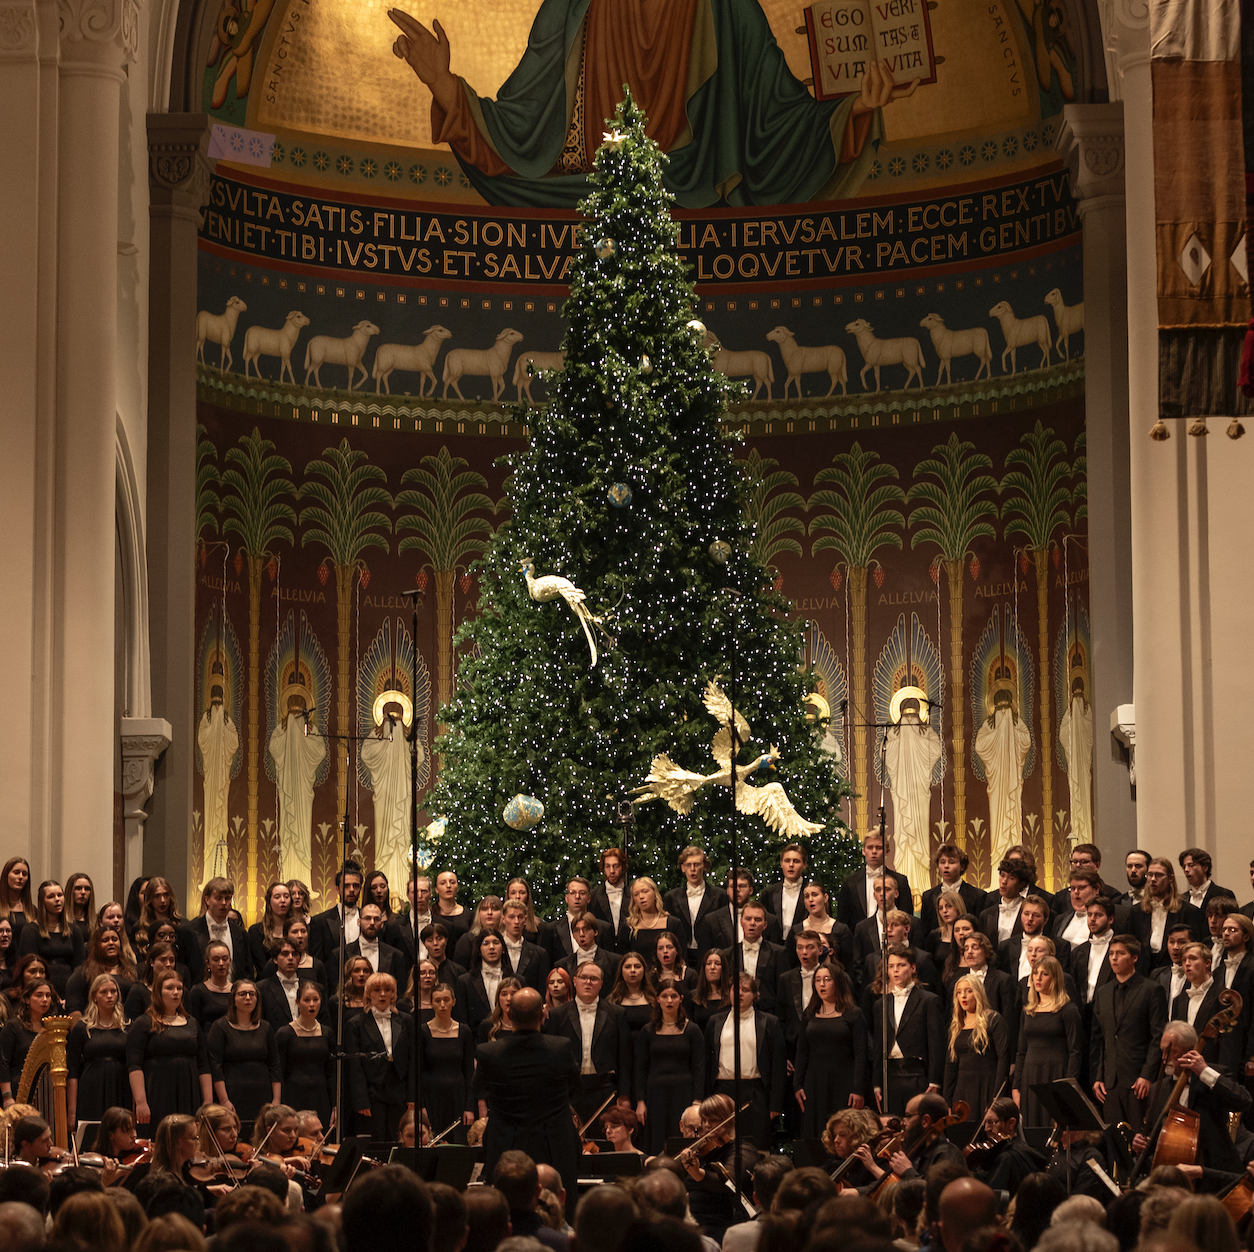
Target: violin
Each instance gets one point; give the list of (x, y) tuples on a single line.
[(890, 1131), (140, 1154), (985, 1147), (228, 1170), (959, 1114)]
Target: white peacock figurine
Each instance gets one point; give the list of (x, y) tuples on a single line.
[(678, 787), (551, 587)]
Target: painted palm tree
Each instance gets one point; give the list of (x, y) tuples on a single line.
[(255, 494), (442, 505), (1036, 505), (952, 508), (1080, 483), (344, 518), (856, 513), (208, 503), (765, 505)]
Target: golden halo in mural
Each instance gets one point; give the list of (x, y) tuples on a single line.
[(909, 693), (822, 710), (391, 696), (294, 689)]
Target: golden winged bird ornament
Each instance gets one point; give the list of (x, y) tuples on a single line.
[(551, 587), (678, 787)]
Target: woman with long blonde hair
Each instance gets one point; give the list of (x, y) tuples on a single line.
[(96, 1054), (647, 918), (950, 906), (1051, 1039), (977, 1062)]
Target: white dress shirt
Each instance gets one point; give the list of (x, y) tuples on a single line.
[(978, 974), (369, 948), (748, 1048), (1135, 894), (1025, 966), (384, 1023), (352, 930), (900, 996), (1231, 965), (491, 975), (614, 896), (1218, 953), (1099, 947), (751, 953), (290, 987), (1209, 1076), (587, 1024), (419, 924), (1178, 982), (1158, 924), (695, 896), (1196, 995), (1196, 897), (514, 949), (872, 906), (220, 934), (1007, 915), (807, 987), (789, 900), (1077, 929)]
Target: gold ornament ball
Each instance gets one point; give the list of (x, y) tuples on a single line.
[(605, 248), (646, 366), (720, 550), (697, 325)]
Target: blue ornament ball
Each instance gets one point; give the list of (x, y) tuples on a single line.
[(523, 812), (619, 494)]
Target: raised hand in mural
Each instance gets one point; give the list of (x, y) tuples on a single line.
[(878, 88), (427, 54)]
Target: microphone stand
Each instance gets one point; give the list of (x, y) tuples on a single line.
[(736, 953), (416, 597)]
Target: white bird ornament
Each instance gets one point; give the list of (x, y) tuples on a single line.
[(551, 587), (678, 787)]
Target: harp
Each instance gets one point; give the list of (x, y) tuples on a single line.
[(44, 1077)]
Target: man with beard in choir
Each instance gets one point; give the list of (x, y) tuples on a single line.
[(386, 758), (1003, 743), (297, 755), (911, 751), (218, 739), (1075, 733)]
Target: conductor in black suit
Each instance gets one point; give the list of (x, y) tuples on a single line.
[(916, 1036), (1129, 1013), (784, 899), (857, 900), (530, 1081), (601, 1038)]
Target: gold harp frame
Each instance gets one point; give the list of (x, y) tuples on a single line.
[(48, 1052)]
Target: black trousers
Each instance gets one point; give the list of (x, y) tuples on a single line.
[(755, 1121), (593, 1088), (907, 1078), (384, 1122)]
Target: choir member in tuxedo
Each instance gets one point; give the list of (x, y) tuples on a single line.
[(1216, 911), (899, 935), (1020, 852), (1211, 1093), (531, 1080), (1135, 868), (324, 928), (383, 957), (999, 988), (381, 1087), (435, 940), (609, 901), (763, 1060), (52, 936), (783, 900), (1236, 973), (528, 962), (486, 916), (1200, 889), (690, 904), (1089, 856), (556, 937), (837, 938), (868, 933), (600, 1039), (587, 932), (1129, 1013), (1070, 920), (1034, 920), (796, 988), (519, 889), (279, 992), (758, 956), (1247, 910), (977, 1061), (1161, 909), (476, 989), (1001, 919), (1051, 1039), (951, 865), (1090, 962), (418, 915), (1199, 1002), (214, 925), (718, 930), (1171, 975), (831, 1067), (857, 893), (916, 1035)]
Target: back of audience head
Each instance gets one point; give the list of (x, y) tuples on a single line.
[(1123, 1219), (661, 1193), (661, 1234), (966, 1205), (26, 1186), (487, 1218), (853, 1214), (1203, 1221), (938, 1178), (800, 1188), (448, 1217), (518, 1180), (21, 1226), (171, 1232), (1158, 1206), (908, 1198), (1077, 1236), (602, 1218), (1079, 1208), (1035, 1201), (385, 1201), (768, 1173)]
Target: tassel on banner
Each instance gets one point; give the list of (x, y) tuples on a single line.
[(1235, 429), (1159, 431), (1198, 427)]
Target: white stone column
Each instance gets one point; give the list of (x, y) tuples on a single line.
[(98, 38), (143, 740), (1091, 142)]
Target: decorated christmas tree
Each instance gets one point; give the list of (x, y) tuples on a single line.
[(628, 490)]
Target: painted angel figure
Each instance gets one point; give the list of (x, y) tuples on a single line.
[(297, 754), (1075, 734), (1002, 743), (386, 758), (218, 739), (911, 750)]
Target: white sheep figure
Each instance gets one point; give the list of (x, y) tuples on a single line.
[(739, 364), (878, 352), (261, 341), (1019, 332), (417, 359), (829, 360), (477, 362), (951, 343), (1069, 319), (326, 350), (524, 377), (219, 328)]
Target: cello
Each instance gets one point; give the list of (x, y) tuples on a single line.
[(1178, 1128)]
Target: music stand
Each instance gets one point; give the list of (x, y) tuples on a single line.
[(347, 1160), (610, 1165), (809, 1152), (80, 1135), (451, 1163), (1067, 1104)]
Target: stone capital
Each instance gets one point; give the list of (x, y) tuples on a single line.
[(144, 739), (19, 30), (1125, 39), (179, 168), (1123, 728), (1090, 142), (99, 33)]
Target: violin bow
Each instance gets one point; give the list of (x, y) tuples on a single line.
[(453, 1125), (583, 1130)]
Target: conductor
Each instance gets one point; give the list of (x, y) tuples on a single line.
[(531, 1081)]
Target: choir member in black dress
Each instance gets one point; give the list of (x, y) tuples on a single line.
[(113, 917), (104, 956), (52, 936), (80, 904), (848, 1133), (426, 982), (352, 992), (977, 1062), (559, 989), (306, 1060), (377, 890), (96, 1055), (446, 1067), (451, 915), (633, 992), (435, 939), (210, 1000), (265, 936), (158, 905), (492, 1026), (586, 934), (381, 1088), (487, 916), (939, 940), (713, 990), (668, 962), (1051, 1040), (20, 1033), (296, 929), (28, 970), (712, 1203), (670, 1067), (161, 956), (955, 963), (8, 953), (300, 895), (166, 1056), (15, 899), (647, 918), (243, 1055), (135, 905), (830, 1072)]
